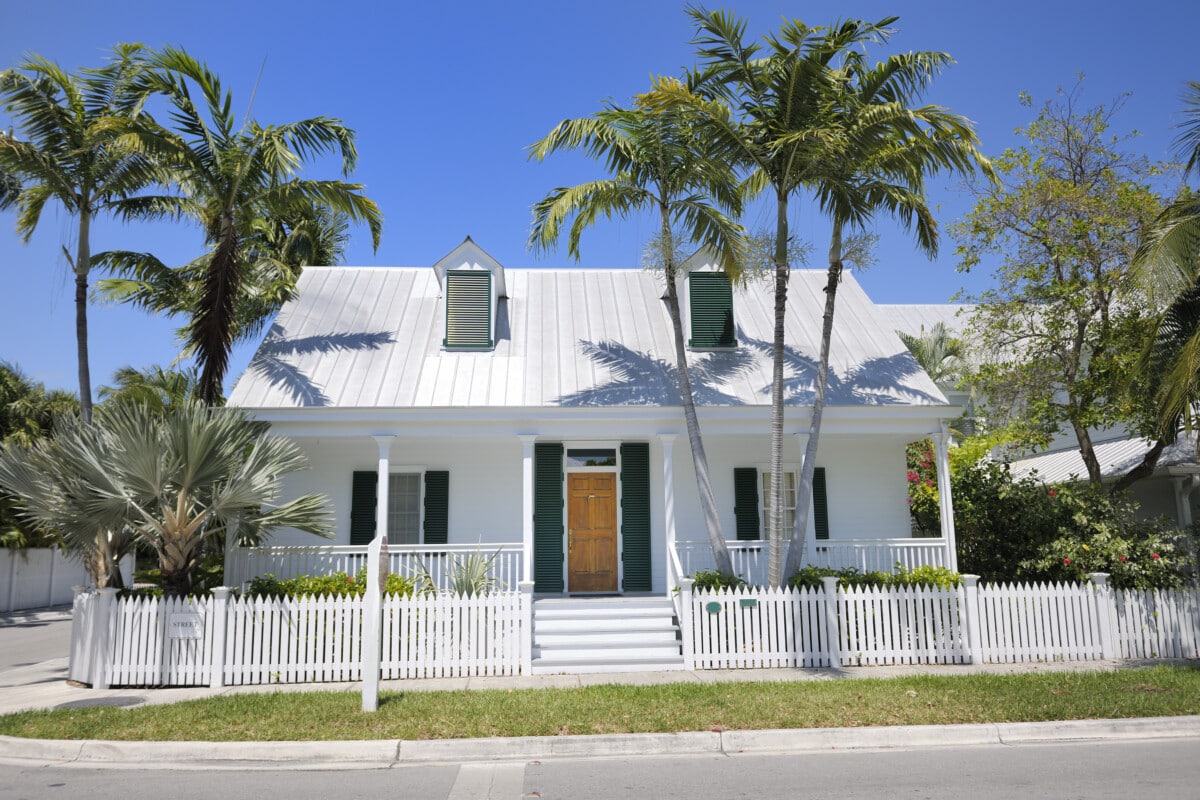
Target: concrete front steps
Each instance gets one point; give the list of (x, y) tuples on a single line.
[(604, 634)]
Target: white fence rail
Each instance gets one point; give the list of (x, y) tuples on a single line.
[(43, 576), (882, 555), (753, 627), (244, 563), (230, 641)]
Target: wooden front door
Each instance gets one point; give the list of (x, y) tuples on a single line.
[(592, 532)]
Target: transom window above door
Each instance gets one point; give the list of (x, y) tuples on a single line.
[(592, 457)]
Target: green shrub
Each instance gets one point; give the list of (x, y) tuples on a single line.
[(850, 577), (336, 584), (708, 579)]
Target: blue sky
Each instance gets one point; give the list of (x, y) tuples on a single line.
[(446, 96)]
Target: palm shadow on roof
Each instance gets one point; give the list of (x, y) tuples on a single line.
[(874, 382), (271, 360), (640, 379)]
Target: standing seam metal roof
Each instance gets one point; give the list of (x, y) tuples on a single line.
[(371, 337)]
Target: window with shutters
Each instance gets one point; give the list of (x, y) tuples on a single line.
[(418, 507), (751, 504), (710, 304), (468, 309)]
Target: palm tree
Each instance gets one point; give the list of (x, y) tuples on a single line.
[(1169, 261), (159, 389), (659, 165), (71, 153), (940, 354), (58, 484), (811, 115), (228, 179), (173, 482)]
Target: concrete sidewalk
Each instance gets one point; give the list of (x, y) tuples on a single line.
[(44, 686)]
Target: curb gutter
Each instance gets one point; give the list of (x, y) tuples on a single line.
[(384, 753)]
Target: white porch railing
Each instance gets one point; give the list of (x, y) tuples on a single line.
[(245, 563), (750, 558)]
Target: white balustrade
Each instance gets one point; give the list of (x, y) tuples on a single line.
[(440, 562)]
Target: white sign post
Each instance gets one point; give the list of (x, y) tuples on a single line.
[(377, 575)]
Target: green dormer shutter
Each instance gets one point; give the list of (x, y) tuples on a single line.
[(710, 297), (468, 309)]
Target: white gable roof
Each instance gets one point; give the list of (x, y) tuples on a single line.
[(358, 337)]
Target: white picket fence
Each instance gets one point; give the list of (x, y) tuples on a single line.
[(222, 640), (757, 628)]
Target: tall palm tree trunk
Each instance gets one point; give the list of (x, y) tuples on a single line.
[(708, 501), (775, 553), (796, 550), (83, 258)]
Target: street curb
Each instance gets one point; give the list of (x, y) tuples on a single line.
[(384, 753)]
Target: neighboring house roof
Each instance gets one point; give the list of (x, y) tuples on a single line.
[(359, 337), (917, 319), (1116, 457)]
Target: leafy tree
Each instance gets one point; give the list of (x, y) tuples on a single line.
[(658, 164), (229, 179), (173, 482), (69, 150), (1063, 331)]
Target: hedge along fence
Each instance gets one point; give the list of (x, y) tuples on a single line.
[(1006, 623), (222, 640)]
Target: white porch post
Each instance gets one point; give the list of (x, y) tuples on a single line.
[(527, 440), (668, 444), (941, 442), (381, 492), (1183, 505)]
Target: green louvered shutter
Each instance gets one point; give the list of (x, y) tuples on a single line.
[(548, 517), (468, 309), (437, 506), (635, 516), (745, 503), (362, 507), (711, 304), (820, 504)]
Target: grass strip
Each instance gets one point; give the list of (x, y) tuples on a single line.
[(918, 700)]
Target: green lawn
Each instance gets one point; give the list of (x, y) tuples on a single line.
[(921, 700)]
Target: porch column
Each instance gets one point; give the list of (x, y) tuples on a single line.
[(527, 440), (381, 492), (1183, 492), (941, 443), (668, 443)]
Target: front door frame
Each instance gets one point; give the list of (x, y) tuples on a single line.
[(604, 444)]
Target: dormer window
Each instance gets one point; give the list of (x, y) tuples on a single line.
[(710, 304), (469, 309)]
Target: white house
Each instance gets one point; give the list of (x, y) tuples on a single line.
[(535, 413)]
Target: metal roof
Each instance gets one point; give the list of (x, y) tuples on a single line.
[(1116, 457), (371, 337), (917, 319)]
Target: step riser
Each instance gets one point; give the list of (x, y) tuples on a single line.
[(579, 641), (613, 635)]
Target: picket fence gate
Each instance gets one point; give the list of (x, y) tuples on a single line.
[(222, 640)]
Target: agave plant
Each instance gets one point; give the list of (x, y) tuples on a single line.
[(468, 575)]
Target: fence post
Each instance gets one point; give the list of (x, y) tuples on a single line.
[(970, 618), (1102, 594), (101, 630), (218, 611), (832, 642), (526, 588), (685, 623)]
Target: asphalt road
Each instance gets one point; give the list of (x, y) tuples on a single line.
[(1104, 771), (27, 639)]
